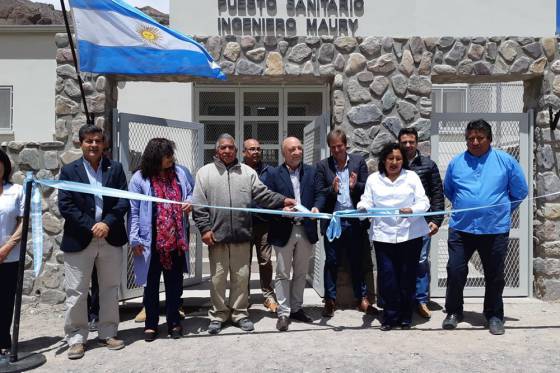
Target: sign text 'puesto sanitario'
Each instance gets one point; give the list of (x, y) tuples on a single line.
[(289, 17)]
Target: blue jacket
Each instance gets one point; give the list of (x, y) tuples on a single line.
[(140, 219), (279, 230), (78, 209), (493, 178)]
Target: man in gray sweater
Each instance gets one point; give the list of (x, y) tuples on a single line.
[(226, 182)]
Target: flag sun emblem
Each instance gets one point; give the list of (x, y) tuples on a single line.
[(150, 35)]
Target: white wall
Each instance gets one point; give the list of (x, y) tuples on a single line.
[(27, 62), (164, 100), (401, 17)]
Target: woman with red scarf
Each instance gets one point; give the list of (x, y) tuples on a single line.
[(158, 233)]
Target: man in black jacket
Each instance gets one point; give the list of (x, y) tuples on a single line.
[(252, 157), (94, 233), (428, 172), (339, 182)]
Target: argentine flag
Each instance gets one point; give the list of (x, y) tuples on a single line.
[(116, 38)]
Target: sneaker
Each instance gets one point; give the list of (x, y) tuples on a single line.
[(141, 317), (111, 343), (271, 305), (76, 351), (424, 311), (245, 324), (496, 326), (215, 327), (92, 326), (451, 321)]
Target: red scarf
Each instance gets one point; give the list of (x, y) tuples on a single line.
[(169, 221)]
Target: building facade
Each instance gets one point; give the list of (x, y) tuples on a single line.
[(375, 67)]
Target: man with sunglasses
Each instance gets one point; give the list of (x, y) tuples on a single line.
[(252, 157)]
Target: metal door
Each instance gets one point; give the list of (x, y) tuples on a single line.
[(511, 133), (131, 134), (315, 149)]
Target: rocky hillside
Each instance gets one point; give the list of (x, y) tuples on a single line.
[(26, 12)]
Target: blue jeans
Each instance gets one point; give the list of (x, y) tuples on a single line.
[(350, 244), (423, 273), (396, 268), (492, 249)]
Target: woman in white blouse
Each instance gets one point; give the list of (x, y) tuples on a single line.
[(397, 240), (11, 211)]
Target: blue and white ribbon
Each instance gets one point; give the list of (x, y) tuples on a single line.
[(334, 229)]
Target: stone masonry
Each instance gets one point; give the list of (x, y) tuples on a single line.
[(378, 85)]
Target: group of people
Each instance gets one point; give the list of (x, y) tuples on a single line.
[(158, 233)]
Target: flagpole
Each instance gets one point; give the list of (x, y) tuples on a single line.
[(89, 120)]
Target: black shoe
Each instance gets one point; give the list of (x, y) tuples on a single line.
[(451, 321), (215, 327), (496, 326), (150, 336), (176, 332), (300, 316), (282, 323), (405, 325), (385, 327)]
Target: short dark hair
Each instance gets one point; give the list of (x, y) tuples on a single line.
[(88, 129), (388, 149), (5, 160), (337, 133), (408, 131), (156, 149), (479, 125)]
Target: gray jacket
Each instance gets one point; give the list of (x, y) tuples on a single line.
[(235, 186)]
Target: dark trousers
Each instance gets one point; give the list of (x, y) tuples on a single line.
[(264, 258), (173, 280), (492, 249), (350, 244), (8, 281), (396, 268), (93, 297)]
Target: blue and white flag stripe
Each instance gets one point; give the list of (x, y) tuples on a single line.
[(116, 38)]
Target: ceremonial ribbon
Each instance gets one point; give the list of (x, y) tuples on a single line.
[(36, 223), (334, 229)]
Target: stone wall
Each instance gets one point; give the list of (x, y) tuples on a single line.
[(379, 85), (382, 84)]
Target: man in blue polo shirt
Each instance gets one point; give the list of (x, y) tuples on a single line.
[(481, 176)]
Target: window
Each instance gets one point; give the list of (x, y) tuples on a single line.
[(268, 114), (6, 108)]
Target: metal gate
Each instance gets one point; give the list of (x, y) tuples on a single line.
[(511, 133), (131, 134), (315, 149)]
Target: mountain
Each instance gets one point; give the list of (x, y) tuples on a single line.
[(26, 12)]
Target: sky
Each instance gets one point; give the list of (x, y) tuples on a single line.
[(161, 5)]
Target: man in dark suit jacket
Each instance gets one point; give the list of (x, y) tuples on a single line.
[(292, 238), (94, 232), (339, 182)]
